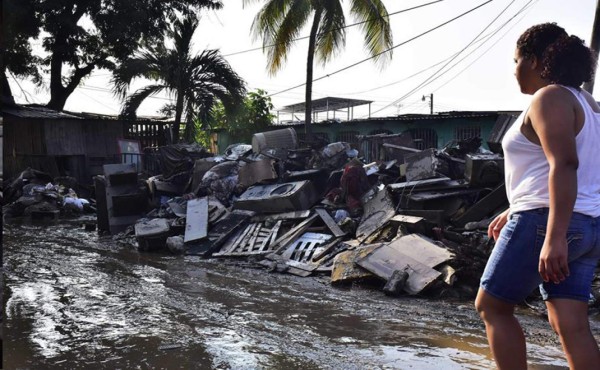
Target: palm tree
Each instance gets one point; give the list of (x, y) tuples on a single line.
[(195, 82), (279, 23)]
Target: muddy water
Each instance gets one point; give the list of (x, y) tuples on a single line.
[(76, 300)]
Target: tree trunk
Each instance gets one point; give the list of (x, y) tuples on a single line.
[(178, 114), (309, 74), (59, 93)]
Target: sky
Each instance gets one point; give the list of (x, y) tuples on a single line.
[(466, 64)]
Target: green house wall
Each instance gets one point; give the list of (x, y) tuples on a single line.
[(445, 128)]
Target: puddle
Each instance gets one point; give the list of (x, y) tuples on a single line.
[(76, 300)]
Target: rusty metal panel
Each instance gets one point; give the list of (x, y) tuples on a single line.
[(385, 260), (345, 268), (422, 249)]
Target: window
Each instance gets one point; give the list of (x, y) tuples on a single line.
[(424, 138), (348, 137), (467, 132)]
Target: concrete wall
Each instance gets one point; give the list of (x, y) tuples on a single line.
[(444, 129)]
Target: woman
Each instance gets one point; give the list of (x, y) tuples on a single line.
[(550, 235)]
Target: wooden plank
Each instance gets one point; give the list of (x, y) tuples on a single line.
[(253, 238), (269, 239), (335, 229), (232, 243), (196, 224), (247, 237), (284, 241)]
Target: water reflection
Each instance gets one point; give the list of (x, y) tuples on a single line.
[(75, 300)]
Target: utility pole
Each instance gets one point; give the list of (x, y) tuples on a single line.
[(430, 97), (594, 44)]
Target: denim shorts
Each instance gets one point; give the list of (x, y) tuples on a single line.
[(511, 273)]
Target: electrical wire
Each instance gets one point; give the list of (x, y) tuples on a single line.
[(431, 78), (530, 5)]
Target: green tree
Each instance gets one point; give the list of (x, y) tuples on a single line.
[(279, 22), (19, 25), (196, 82), (249, 118), (81, 35)]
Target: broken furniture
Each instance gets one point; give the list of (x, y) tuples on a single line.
[(124, 201)]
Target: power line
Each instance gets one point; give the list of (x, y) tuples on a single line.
[(424, 83), (99, 102), (387, 50), (20, 87), (483, 39), (336, 29), (530, 5)]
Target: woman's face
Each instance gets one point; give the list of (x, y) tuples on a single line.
[(525, 73)]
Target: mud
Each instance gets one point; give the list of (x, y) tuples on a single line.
[(76, 300)]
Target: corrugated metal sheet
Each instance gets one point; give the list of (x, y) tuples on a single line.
[(35, 112)]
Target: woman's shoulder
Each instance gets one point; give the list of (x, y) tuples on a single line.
[(555, 96)]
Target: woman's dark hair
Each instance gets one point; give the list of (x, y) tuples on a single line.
[(564, 59)]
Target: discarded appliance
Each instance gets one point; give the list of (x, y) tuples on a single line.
[(421, 166), (125, 203), (277, 139), (484, 169), (277, 198), (255, 172), (152, 234)]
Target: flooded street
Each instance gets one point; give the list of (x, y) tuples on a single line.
[(76, 300)]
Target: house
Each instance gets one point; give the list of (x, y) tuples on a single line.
[(419, 131), (70, 144)]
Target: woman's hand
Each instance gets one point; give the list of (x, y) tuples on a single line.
[(497, 225), (554, 264)]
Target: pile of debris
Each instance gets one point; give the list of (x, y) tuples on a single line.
[(36, 195), (414, 224)]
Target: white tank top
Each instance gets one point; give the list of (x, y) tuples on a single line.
[(527, 168)]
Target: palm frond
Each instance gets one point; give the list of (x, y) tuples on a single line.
[(376, 29), (332, 35), (288, 30), (134, 101), (144, 64)]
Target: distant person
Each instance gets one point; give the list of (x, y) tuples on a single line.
[(550, 235)]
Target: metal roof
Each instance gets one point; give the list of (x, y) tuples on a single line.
[(325, 104), (410, 117), (41, 112), (37, 112)]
